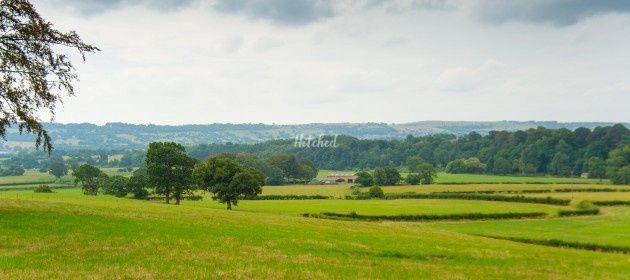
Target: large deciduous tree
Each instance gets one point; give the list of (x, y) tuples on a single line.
[(137, 184), (57, 167), (33, 75), (90, 178), (169, 169), (386, 176), (227, 180)]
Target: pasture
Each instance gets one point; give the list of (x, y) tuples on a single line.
[(66, 234), (448, 178)]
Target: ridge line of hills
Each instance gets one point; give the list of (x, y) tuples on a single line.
[(137, 136)]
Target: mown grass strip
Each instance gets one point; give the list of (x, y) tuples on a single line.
[(427, 217), (564, 190), (286, 197), (2, 189), (28, 183), (592, 190), (467, 196), (612, 202), (564, 244), (579, 212), (495, 191)]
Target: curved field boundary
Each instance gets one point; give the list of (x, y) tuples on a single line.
[(504, 198), (420, 218), (564, 244), (28, 183), (579, 212), (565, 190), (612, 202), (287, 197)]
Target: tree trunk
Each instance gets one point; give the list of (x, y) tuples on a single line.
[(177, 198), (168, 198), (229, 205)]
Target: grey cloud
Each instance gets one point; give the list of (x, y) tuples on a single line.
[(556, 12), (400, 6), (92, 7), (283, 12)]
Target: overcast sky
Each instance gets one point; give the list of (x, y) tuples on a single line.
[(304, 61)]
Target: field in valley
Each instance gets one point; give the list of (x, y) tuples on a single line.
[(448, 178), (66, 234)]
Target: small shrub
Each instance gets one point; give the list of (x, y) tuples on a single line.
[(376, 192), (43, 189), (355, 190), (585, 204)]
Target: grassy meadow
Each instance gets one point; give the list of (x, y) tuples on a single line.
[(68, 235), (448, 178)]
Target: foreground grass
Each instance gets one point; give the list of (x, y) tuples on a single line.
[(612, 227), (104, 237), (343, 190)]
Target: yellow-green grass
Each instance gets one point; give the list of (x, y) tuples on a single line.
[(380, 207), (29, 177), (33, 178), (106, 237), (343, 190), (611, 227), (482, 178), (448, 178)]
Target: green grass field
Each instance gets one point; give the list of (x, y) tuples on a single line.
[(447, 178), (344, 189), (379, 207), (33, 178), (66, 234)]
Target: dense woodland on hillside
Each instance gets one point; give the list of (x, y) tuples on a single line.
[(540, 150)]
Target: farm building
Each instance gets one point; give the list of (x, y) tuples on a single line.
[(336, 178), (342, 177)]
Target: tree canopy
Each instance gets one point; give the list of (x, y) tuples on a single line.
[(90, 178), (228, 180), (33, 74), (169, 169)]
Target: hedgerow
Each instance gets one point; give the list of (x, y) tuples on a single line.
[(611, 202), (286, 197), (565, 244), (468, 196), (593, 190), (578, 212), (463, 216)]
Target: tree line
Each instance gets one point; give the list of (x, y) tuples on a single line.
[(171, 172), (601, 151)]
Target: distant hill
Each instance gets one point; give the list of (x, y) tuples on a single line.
[(132, 136)]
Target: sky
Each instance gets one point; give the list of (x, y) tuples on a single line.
[(318, 61)]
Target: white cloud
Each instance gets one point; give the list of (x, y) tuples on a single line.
[(199, 65)]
